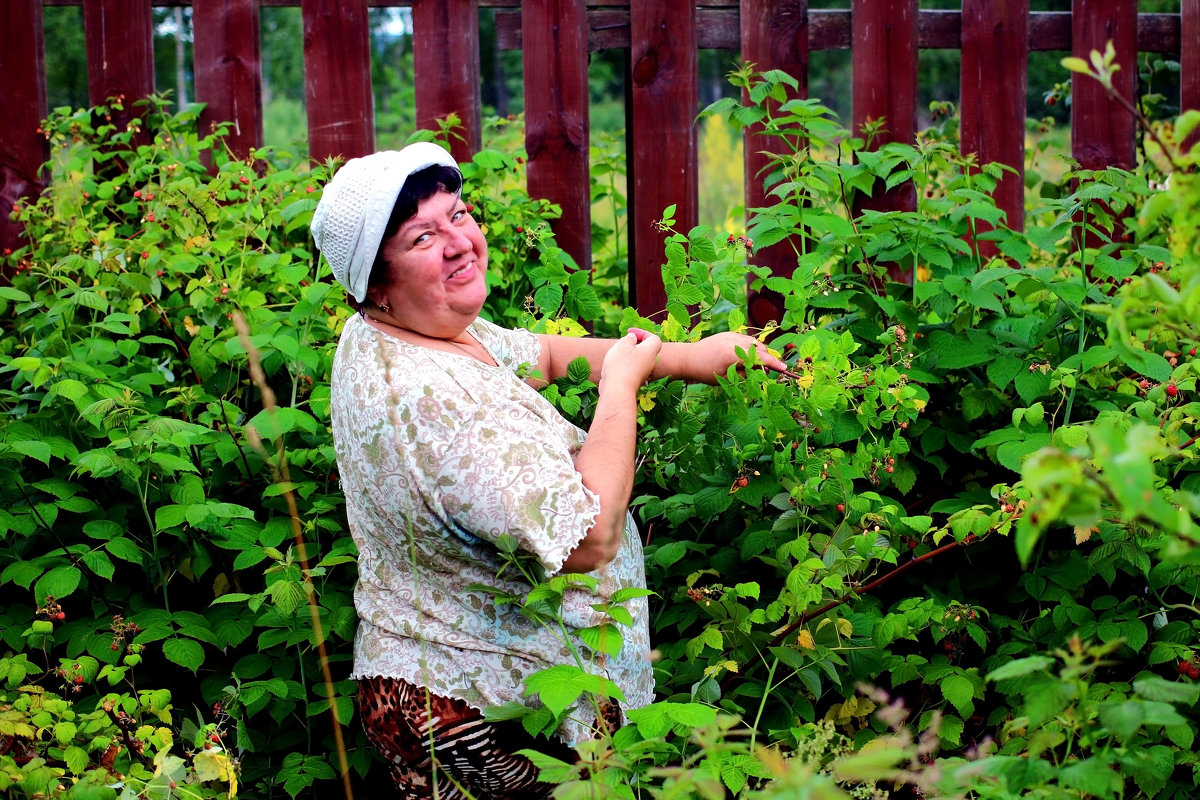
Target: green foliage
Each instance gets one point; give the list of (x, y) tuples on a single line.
[(953, 548)]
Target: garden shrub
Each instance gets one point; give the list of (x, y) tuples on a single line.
[(952, 552)]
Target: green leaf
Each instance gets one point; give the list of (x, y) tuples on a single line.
[(959, 691), (560, 686), (603, 638), (1092, 776), (1001, 371), (59, 582), (77, 759), (184, 652), (124, 549), (1020, 667), (1155, 688)]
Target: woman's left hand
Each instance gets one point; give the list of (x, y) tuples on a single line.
[(713, 355)]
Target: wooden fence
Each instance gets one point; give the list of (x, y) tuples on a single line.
[(662, 38)]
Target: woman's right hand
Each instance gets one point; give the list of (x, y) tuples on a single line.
[(628, 363)]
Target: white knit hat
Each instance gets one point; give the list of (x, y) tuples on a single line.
[(349, 221)]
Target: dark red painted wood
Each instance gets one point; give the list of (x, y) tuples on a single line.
[(1102, 132), (556, 117), (884, 63), (446, 63), (228, 69), (884, 83), (120, 53), (23, 97), (661, 138), (1189, 60), (995, 55), (774, 36), (337, 78)]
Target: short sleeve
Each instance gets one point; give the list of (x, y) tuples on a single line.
[(510, 347), (507, 474)]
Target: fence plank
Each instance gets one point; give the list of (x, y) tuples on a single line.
[(120, 57), (1189, 57), (884, 63), (446, 67), (337, 78), (1102, 133), (23, 97), (556, 118), (774, 36), (228, 69), (995, 55), (662, 171)]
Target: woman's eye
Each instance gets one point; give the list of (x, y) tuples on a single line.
[(462, 212), (421, 239)]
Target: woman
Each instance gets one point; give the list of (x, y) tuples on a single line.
[(443, 449)]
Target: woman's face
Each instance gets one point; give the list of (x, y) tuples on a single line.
[(437, 269)]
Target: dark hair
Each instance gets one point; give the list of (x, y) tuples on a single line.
[(419, 186)]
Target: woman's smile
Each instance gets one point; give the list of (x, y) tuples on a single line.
[(437, 264)]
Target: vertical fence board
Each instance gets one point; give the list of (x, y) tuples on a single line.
[(1103, 133), (995, 55), (884, 86), (774, 36), (446, 68), (1189, 60), (555, 52), (337, 78), (662, 137), (23, 97), (228, 69), (120, 52)]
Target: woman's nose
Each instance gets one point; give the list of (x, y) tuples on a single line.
[(457, 242)]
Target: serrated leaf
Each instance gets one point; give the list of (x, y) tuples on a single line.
[(603, 638), (59, 582), (184, 652), (959, 691)]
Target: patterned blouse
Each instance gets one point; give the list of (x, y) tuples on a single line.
[(439, 455)]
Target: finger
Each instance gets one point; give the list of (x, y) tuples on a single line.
[(639, 334)]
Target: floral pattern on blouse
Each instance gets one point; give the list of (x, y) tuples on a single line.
[(439, 456)]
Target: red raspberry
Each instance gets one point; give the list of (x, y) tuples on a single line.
[(841, 508), (145, 254), (520, 229), (1172, 390), (1192, 352), (470, 208), (150, 217), (1145, 384), (138, 194), (310, 190), (78, 680)]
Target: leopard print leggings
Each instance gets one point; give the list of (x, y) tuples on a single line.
[(476, 759)]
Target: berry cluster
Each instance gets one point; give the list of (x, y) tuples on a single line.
[(72, 678), (1188, 669), (123, 632), (50, 610)]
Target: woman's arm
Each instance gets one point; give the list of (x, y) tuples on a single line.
[(700, 361), (606, 460)]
